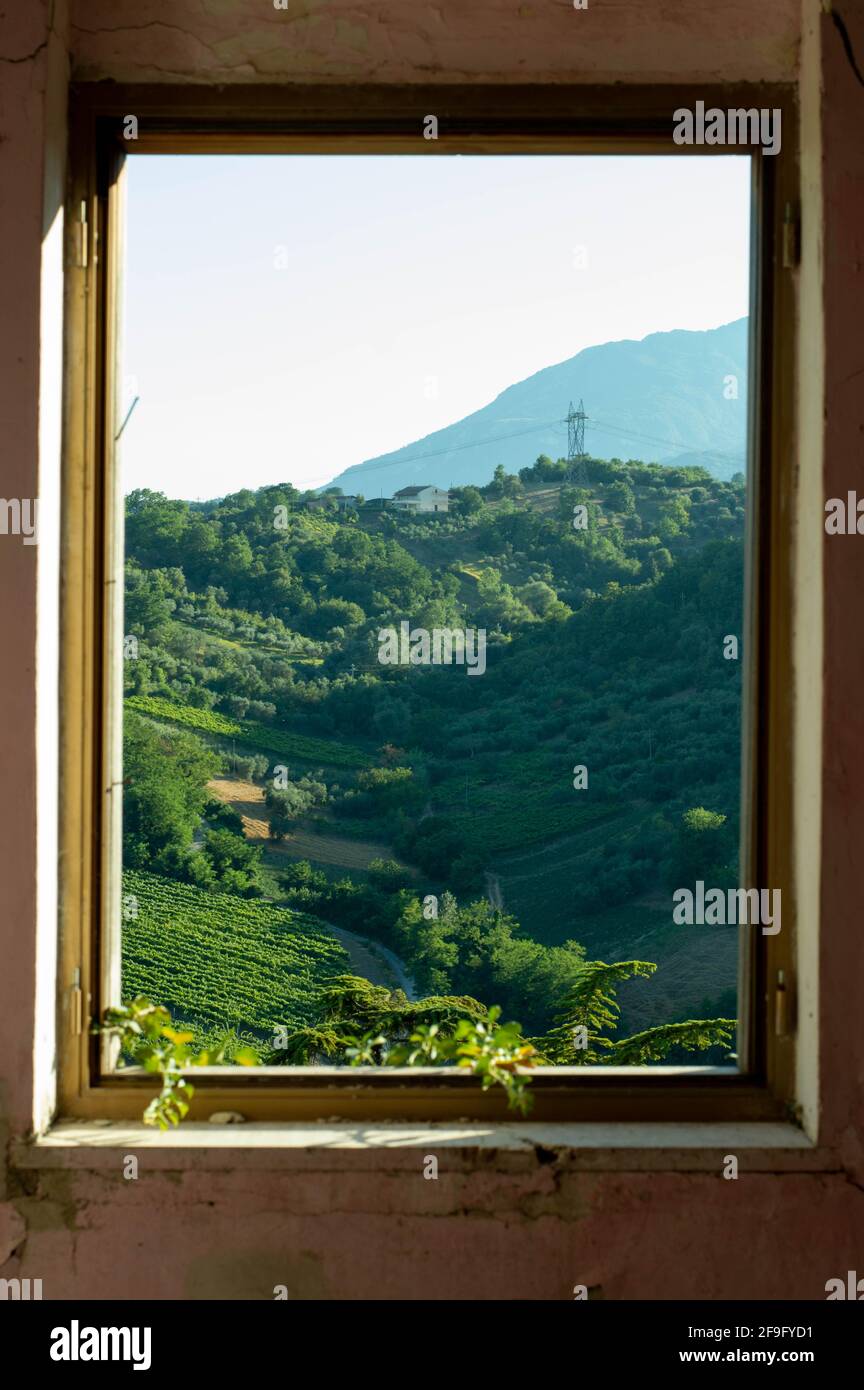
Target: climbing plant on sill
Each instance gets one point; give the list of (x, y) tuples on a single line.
[(496, 1053), (146, 1036)]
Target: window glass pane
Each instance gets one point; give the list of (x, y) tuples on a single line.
[(435, 497)]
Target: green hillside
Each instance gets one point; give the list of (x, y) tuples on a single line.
[(607, 600)]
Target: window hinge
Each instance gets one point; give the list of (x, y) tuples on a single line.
[(791, 237), (76, 1005), (82, 235), (782, 1015)]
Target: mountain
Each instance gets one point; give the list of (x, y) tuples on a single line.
[(661, 399)]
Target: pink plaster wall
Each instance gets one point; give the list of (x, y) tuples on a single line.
[(357, 1226), (481, 1230), (23, 91)]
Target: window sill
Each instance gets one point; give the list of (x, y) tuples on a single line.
[(769, 1147)]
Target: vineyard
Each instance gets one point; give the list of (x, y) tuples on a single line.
[(221, 961), (499, 819), (253, 735), (542, 886), (534, 803)]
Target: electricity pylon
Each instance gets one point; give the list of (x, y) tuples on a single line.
[(577, 471)]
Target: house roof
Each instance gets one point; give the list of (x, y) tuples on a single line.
[(413, 491)]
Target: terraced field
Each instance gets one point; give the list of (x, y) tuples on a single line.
[(538, 886), (530, 803), (502, 819), (213, 639), (254, 735)]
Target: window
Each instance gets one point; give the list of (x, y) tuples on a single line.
[(361, 736)]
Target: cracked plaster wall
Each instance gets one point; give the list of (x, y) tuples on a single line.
[(407, 41), (488, 1227)]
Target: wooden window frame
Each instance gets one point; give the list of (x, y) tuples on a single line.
[(483, 119)]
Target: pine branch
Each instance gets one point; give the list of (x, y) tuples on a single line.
[(654, 1044)]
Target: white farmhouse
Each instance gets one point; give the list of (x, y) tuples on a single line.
[(424, 498)]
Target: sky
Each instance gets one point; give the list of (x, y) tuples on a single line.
[(286, 316)]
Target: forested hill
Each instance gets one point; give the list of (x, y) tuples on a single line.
[(256, 622), (326, 580), (253, 631), (673, 397)]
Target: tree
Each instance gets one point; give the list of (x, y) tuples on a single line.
[(496, 487), (542, 599), (352, 1007), (234, 861), (704, 848), (147, 605), (392, 719), (621, 497), (674, 517), (165, 776), (469, 500), (287, 804), (590, 1012)]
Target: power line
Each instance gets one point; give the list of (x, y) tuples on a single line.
[(602, 426), (606, 428), (457, 448)]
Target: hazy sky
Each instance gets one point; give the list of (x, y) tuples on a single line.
[(287, 316)]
